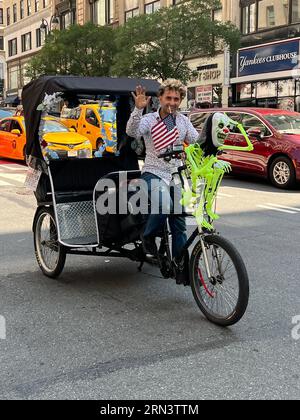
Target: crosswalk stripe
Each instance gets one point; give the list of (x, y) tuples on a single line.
[(276, 209), (283, 207), (12, 167), (4, 184), (225, 195)]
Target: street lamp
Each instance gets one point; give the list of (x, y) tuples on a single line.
[(45, 26)]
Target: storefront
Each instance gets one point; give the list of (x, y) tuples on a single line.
[(268, 76), (207, 87)]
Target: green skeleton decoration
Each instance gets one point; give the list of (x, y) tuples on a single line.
[(206, 171)]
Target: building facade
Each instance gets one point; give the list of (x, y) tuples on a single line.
[(2, 53), (23, 37), (265, 71)]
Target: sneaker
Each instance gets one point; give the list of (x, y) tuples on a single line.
[(149, 246), (183, 270)]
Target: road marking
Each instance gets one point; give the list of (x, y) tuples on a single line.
[(4, 184), (284, 207), (13, 167), (225, 195), (276, 209)]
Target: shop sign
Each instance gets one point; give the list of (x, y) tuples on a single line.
[(204, 93), (269, 58)]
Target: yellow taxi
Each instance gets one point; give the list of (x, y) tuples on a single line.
[(57, 140), (95, 121)]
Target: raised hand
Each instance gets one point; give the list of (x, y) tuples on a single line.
[(140, 98)]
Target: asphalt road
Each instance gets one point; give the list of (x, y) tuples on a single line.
[(105, 331)]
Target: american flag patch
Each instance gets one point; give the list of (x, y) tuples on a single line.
[(165, 132)]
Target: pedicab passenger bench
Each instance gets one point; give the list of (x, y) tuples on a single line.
[(73, 183)]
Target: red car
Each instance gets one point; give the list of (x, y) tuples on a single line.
[(275, 135)]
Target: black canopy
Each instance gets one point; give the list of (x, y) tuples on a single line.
[(34, 92)]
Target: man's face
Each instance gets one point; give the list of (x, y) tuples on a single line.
[(170, 101)]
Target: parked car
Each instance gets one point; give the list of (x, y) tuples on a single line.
[(275, 135), (58, 140), (95, 121)]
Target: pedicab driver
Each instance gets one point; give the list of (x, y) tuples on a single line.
[(161, 130)]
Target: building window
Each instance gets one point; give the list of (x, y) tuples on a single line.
[(12, 47), (131, 13), (259, 15), (36, 5), (40, 37), (218, 15), (45, 3), (14, 13), (152, 7), (13, 75), (21, 9), (1, 16), (66, 20), (28, 7), (1, 44), (295, 11), (102, 12), (8, 16), (26, 42)]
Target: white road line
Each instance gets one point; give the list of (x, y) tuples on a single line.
[(225, 195), (11, 167), (276, 209), (4, 184), (13, 177), (283, 207)]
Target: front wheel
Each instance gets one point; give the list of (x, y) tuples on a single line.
[(223, 298), (50, 254)]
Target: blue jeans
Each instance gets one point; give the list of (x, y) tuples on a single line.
[(162, 203)]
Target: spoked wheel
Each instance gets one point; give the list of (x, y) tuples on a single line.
[(50, 255), (223, 298)]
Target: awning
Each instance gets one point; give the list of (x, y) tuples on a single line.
[(13, 100)]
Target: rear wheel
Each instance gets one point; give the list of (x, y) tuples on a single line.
[(282, 173), (50, 255), (223, 298)]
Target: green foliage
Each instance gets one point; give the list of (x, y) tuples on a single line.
[(158, 44), (85, 50), (155, 45)]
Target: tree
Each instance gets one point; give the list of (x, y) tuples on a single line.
[(85, 50), (157, 45)]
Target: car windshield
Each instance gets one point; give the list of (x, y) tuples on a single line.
[(108, 115), (4, 113), (285, 123), (54, 127)]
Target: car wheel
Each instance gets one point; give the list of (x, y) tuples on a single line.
[(282, 173)]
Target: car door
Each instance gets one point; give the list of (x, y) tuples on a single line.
[(5, 138), (254, 162), (91, 126), (17, 140)]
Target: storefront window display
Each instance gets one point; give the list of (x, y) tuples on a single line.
[(281, 94)]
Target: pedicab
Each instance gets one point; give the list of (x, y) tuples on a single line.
[(69, 219)]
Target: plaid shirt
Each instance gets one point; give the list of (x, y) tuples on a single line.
[(141, 126)]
